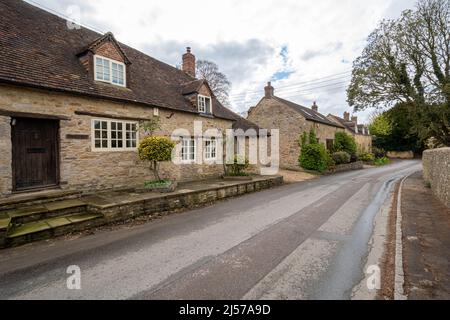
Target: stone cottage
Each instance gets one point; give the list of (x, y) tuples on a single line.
[(292, 120), (72, 101), (360, 132)]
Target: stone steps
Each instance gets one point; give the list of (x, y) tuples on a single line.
[(50, 227), (35, 198), (44, 211), (48, 217)]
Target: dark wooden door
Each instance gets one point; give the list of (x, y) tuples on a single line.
[(35, 153)]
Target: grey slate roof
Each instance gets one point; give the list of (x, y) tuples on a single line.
[(38, 50), (308, 113)]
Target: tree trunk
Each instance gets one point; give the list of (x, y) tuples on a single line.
[(154, 168)]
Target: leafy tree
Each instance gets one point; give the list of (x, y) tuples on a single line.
[(380, 126), (408, 61), (217, 80), (344, 142), (156, 150), (392, 130)]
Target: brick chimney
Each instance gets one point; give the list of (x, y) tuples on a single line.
[(189, 62), (347, 116), (355, 120), (315, 107), (269, 90)]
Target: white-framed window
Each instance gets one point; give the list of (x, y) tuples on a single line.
[(188, 150), (114, 135), (100, 136), (130, 135), (210, 149), (204, 104), (108, 70)]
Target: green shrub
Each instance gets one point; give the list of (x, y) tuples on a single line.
[(314, 157), (238, 166), (344, 142), (378, 152), (367, 157), (157, 184), (330, 162), (382, 161), (341, 157), (156, 150)]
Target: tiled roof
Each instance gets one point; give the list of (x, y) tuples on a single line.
[(349, 125), (38, 49), (308, 113)]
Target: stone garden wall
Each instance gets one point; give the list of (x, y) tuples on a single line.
[(436, 171)]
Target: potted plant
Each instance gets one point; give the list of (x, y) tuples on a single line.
[(236, 169)]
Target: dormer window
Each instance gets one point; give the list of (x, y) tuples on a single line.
[(204, 104), (110, 71)]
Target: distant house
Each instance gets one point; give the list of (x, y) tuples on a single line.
[(360, 132), (72, 101), (292, 120)]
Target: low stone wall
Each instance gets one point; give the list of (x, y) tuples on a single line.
[(436, 171), (400, 154), (348, 166), (164, 204)]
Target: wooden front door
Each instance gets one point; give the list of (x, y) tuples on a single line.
[(35, 153)]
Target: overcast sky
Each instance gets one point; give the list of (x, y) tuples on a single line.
[(287, 42)]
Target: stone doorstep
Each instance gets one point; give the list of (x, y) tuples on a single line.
[(43, 209), (4, 222), (18, 199), (49, 224)]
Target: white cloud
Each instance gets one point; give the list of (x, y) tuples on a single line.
[(247, 38)]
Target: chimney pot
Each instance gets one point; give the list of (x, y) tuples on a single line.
[(189, 62), (355, 120), (269, 90), (315, 107)]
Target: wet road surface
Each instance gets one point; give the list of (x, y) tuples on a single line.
[(300, 241)]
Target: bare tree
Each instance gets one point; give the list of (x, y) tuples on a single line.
[(217, 80)]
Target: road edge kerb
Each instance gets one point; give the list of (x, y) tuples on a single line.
[(399, 280)]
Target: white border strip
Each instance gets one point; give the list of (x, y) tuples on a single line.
[(399, 293)]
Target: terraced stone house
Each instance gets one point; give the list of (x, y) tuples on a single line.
[(71, 101), (292, 120), (360, 132)]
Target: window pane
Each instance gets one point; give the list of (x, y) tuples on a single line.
[(208, 105), (104, 125), (96, 124)]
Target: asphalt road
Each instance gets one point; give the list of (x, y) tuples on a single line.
[(302, 241)]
